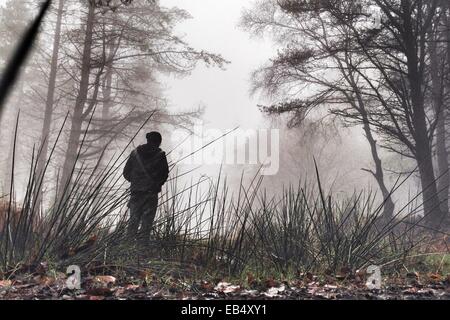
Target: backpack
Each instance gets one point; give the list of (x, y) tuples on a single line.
[(152, 174)]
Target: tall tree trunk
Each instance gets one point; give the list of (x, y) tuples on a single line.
[(441, 115), (18, 98), (424, 157), (447, 87), (107, 102), (77, 117), (6, 186), (414, 46), (48, 116), (431, 202)]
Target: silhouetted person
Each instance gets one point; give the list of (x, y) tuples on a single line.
[(147, 170)]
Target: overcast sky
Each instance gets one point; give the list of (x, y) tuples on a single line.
[(224, 93)]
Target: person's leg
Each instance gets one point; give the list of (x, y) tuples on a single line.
[(136, 209), (149, 217)]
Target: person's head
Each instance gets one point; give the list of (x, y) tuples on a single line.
[(154, 139)]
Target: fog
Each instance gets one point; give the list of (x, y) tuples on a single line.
[(263, 142), (224, 96), (214, 27)]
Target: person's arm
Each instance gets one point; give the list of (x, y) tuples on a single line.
[(128, 168), (161, 170), (164, 169)]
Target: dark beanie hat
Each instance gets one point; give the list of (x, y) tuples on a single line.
[(154, 138)]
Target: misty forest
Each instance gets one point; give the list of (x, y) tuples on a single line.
[(307, 146)]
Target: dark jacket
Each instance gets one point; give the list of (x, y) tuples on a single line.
[(146, 169)]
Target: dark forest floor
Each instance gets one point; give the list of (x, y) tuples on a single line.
[(147, 286)]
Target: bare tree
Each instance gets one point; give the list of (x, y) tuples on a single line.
[(49, 102), (439, 96), (316, 69), (385, 72), (123, 49)]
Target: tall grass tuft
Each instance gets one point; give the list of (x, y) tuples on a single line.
[(301, 230), (203, 226)]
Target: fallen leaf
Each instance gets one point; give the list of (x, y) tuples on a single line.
[(44, 280), (206, 286), (5, 283), (412, 290), (132, 287), (105, 279), (430, 292), (275, 292), (330, 287), (226, 287), (312, 290), (270, 283), (252, 293), (435, 277)]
